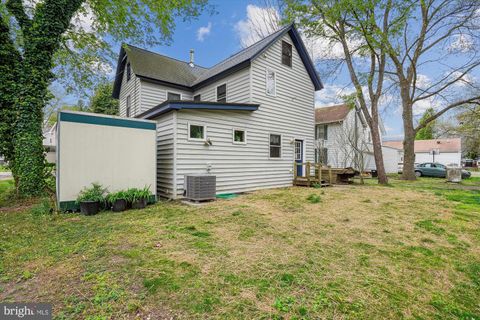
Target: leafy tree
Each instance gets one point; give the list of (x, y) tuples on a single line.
[(342, 23), (102, 101), (38, 38), (428, 131), (439, 37)]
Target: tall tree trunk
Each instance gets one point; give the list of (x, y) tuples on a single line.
[(28, 147), (378, 155), (42, 35), (408, 138)]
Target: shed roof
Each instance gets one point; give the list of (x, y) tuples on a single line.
[(443, 145), (160, 68), (331, 114)]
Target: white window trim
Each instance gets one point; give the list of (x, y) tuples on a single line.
[(226, 92), (244, 136), (281, 146), (200, 125), (267, 69), (173, 92)]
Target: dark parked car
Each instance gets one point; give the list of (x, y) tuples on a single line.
[(430, 169)]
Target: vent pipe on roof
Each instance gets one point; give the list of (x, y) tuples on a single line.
[(191, 59)]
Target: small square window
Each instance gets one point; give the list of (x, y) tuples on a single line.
[(222, 93), (171, 96), (275, 146), (197, 98), (239, 136), (196, 132), (286, 53), (129, 72)]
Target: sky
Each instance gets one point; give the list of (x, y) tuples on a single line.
[(215, 37)]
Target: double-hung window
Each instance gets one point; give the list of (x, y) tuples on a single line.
[(286, 53), (275, 146), (321, 132), (271, 85), (222, 93)]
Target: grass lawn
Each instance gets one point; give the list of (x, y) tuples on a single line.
[(410, 250)]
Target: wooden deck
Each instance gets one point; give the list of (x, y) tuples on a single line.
[(317, 174)]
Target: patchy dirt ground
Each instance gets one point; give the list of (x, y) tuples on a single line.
[(409, 250)]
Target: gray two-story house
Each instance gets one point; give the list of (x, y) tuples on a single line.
[(246, 120)]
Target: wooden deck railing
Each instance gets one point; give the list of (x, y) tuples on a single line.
[(320, 175)]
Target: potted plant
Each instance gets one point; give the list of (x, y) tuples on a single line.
[(91, 198), (138, 197), (118, 200)]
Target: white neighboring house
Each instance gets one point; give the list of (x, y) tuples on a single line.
[(244, 120), (344, 140), (49, 143), (445, 151)]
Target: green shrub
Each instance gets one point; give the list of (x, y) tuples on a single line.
[(314, 198), (135, 194), (95, 193), (119, 195)]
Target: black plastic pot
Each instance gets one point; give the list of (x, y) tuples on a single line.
[(139, 204), (119, 205), (89, 208)]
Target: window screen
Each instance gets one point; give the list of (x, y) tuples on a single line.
[(275, 145)]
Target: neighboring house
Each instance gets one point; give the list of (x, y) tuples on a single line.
[(244, 120), (49, 143), (445, 151), (343, 139)]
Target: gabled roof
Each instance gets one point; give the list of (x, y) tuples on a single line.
[(443, 145), (155, 67), (169, 105), (331, 114)]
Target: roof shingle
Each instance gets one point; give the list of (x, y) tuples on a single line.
[(158, 67), (331, 114)]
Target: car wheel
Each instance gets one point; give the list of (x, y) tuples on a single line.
[(418, 173)]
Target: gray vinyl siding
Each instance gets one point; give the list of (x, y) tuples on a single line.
[(248, 167), (153, 94), (166, 125), (132, 88), (238, 88)]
